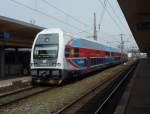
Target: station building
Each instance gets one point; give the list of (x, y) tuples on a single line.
[(16, 39)]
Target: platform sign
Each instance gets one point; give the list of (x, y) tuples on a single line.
[(4, 35), (144, 25)]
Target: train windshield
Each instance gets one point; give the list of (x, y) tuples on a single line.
[(46, 46), (45, 51)]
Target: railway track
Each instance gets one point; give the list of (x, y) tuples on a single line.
[(15, 96), (95, 100)]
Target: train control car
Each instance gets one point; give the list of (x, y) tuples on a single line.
[(57, 56)]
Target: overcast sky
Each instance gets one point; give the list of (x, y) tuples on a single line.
[(45, 15)]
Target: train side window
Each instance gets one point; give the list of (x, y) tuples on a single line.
[(95, 61), (107, 53), (102, 60), (76, 52), (91, 61), (98, 60), (67, 52), (112, 54), (85, 62)]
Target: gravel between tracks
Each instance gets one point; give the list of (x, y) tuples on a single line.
[(54, 99)]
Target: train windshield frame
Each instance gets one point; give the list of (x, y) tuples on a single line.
[(46, 46)]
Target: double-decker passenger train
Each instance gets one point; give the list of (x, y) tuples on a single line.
[(57, 56)]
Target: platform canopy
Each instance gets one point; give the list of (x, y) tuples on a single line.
[(19, 33), (137, 13)]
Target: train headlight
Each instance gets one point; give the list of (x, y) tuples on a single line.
[(33, 72), (58, 64)]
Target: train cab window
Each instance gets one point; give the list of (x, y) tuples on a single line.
[(67, 52), (76, 52)]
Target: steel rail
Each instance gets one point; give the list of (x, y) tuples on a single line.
[(115, 89), (23, 94)]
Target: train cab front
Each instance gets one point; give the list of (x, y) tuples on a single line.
[(46, 64)]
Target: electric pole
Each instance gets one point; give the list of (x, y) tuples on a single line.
[(122, 43), (95, 31)]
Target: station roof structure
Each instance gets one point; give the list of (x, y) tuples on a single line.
[(137, 13), (21, 33)]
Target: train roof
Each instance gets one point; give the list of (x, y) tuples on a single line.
[(95, 45), (84, 43)]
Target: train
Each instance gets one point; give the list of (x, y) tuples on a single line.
[(57, 56)]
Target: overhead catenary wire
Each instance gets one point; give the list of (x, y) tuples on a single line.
[(49, 16), (105, 8), (60, 10), (115, 14), (113, 19), (125, 27), (103, 13)]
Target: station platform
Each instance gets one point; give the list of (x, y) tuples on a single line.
[(136, 98), (13, 84)]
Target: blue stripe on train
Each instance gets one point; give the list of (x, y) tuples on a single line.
[(80, 62), (108, 59)]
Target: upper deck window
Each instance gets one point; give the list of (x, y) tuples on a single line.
[(48, 39), (67, 52), (107, 53)]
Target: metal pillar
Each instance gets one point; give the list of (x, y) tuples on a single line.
[(2, 62), (16, 56), (95, 30), (122, 44)]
